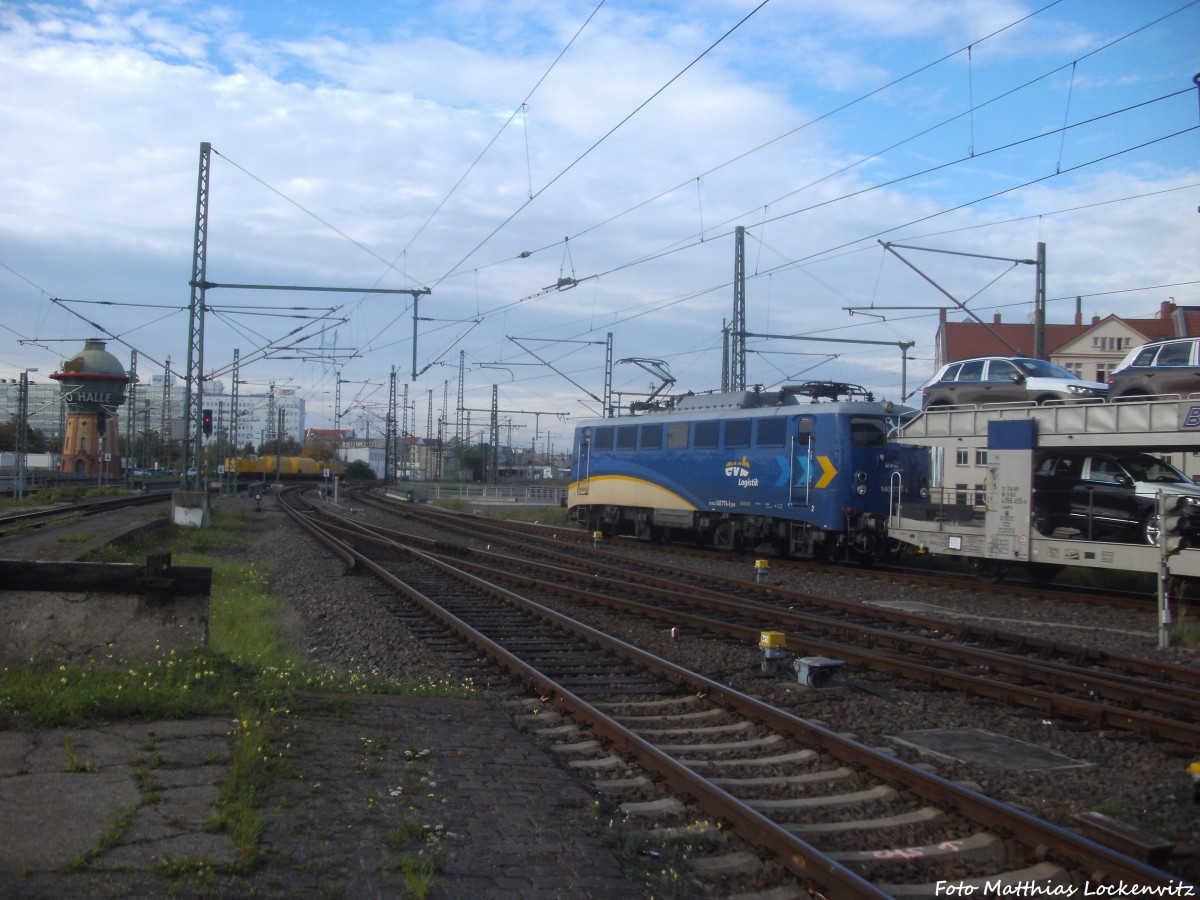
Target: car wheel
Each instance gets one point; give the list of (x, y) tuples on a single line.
[(1151, 528)]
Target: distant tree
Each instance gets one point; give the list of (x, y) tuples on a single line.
[(35, 438), (474, 461), (318, 450), (286, 446), (359, 471)]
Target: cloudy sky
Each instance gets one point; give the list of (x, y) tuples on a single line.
[(556, 173)]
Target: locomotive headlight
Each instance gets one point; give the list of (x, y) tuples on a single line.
[(861, 487)]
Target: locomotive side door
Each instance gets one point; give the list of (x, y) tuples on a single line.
[(800, 460), (584, 462)]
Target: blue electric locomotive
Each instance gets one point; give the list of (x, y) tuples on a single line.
[(750, 469)]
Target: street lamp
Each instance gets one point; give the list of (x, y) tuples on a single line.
[(22, 429)]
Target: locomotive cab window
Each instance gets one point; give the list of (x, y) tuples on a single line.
[(868, 432), (603, 439), (737, 433), (770, 432)]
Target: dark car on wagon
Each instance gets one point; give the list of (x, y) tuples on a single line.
[(1159, 368), (1106, 495), (999, 379)]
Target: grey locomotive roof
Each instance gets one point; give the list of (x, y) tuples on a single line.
[(735, 400)]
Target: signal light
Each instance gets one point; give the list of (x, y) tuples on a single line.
[(207, 419), (1174, 523)]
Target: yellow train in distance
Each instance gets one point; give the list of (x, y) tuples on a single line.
[(285, 466)]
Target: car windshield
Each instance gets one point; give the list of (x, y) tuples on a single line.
[(1149, 468), (1039, 368)]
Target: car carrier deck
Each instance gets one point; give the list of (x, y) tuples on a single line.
[(1001, 535)]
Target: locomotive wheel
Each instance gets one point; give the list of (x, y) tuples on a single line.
[(865, 545), (727, 537)]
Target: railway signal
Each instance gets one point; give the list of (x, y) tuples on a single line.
[(1174, 523), (208, 422)]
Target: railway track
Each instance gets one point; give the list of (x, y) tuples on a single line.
[(1034, 588), (14, 523), (1057, 679), (841, 818)]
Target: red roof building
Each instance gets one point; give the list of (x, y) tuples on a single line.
[(325, 434), (1089, 350)]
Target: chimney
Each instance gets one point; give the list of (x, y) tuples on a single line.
[(996, 319), (1166, 309), (1095, 320), (942, 316), (1078, 310)]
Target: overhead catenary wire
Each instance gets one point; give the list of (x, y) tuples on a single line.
[(773, 219), (600, 141), (869, 94), (521, 108)]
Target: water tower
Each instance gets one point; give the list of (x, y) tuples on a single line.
[(93, 387)]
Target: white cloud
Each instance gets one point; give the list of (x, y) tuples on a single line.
[(364, 125)]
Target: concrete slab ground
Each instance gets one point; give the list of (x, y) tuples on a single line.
[(359, 787), (129, 794)]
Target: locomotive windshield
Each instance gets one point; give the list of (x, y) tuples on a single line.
[(868, 432)]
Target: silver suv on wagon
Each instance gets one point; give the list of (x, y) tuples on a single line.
[(1160, 368), (999, 379)]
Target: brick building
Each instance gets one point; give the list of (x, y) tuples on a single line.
[(1089, 350)]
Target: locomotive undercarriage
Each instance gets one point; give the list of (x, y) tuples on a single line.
[(863, 538)]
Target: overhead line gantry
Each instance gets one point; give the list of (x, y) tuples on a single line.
[(200, 285)]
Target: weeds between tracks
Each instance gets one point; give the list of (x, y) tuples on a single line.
[(248, 672)]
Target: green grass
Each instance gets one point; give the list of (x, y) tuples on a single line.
[(1185, 632), (542, 515), (46, 496), (1151, 820), (249, 672)]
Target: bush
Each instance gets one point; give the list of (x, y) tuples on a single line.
[(359, 471)]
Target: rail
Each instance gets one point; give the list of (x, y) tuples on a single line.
[(662, 757)]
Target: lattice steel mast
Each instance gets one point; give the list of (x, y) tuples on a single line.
[(193, 389)]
